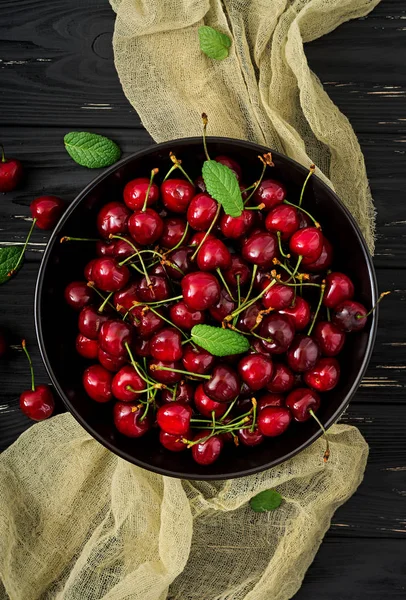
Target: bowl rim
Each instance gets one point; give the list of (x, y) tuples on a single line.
[(169, 145)]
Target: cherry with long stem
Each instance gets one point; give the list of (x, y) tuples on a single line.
[(316, 223), (266, 160), (220, 274), (20, 258), (98, 292), (136, 252), (24, 347), (177, 164), (154, 367), (251, 302), (153, 173), (278, 233), (374, 306), (207, 232), (312, 169), (322, 290)]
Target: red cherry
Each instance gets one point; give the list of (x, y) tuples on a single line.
[(273, 421), (256, 370), (200, 290), (350, 316), (173, 442), (90, 322), (201, 212), (127, 377), (236, 227), (231, 164), (213, 255), (282, 218), (239, 271), (109, 362), (308, 243), (174, 418), (173, 232), (11, 173), (324, 376), (206, 406), (279, 329), (141, 347), (270, 193), (113, 337), (97, 383), (145, 227), (304, 220), (157, 289), (282, 379), (224, 384), (184, 317), (207, 452), (177, 194), (299, 313), (271, 400), (126, 297), (223, 307), (278, 296), (250, 438), (167, 377), (339, 287), (166, 345), (325, 259), (184, 394), (37, 404), (108, 275), (123, 248), (47, 210), (198, 238), (302, 354), (248, 318), (260, 249), (300, 401), (329, 337), (199, 184), (135, 192), (86, 347), (197, 360), (78, 294), (88, 269), (104, 248), (146, 323), (180, 263), (112, 219), (129, 419)]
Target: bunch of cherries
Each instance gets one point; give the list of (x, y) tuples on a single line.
[(170, 258)]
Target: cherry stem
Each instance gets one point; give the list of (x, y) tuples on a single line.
[(251, 332), (359, 316), (328, 314), (153, 173), (137, 367), (20, 258), (161, 368), (256, 184), (93, 287), (251, 302), (207, 233), (220, 274), (180, 241), (254, 414), (167, 321), (295, 270), (24, 347), (178, 165), (136, 251), (229, 409), (238, 296), (326, 455), (175, 391), (259, 207), (316, 223), (67, 238), (247, 189), (205, 121), (312, 169), (105, 301), (278, 233), (3, 156), (254, 272), (148, 389), (145, 251), (162, 301), (322, 290)]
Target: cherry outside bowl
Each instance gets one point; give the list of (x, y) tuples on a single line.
[(63, 263)]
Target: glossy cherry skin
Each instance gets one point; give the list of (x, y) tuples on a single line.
[(278, 296), (184, 394), (236, 227), (300, 401), (122, 248), (198, 237), (325, 259), (167, 377), (11, 174), (135, 192), (270, 192), (199, 184), (174, 418), (87, 271), (146, 227), (282, 218), (302, 354), (278, 328), (78, 294), (112, 219), (108, 276), (299, 313), (47, 210), (224, 384), (329, 337), (180, 263), (113, 336), (97, 383), (166, 345), (206, 406), (201, 212), (231, 164), (90, 321), (185, 318), (350, 316), (250, 438), (126, 297), (197, 360), (200, 290), (255, 370), (141, 347), (110, 362), (173, 232), (271, 400), (213, 255), (177, 194), (173, 442), (260, 249), (158, 289), (207, 452), (282, 379), (307, 242), (239, 271), (37, 404), (223, 307), (324, 376), (129, 420), (127, 377), (339, 287), (86, 347), (146, 323), (248, 318), (273, 420), (304, 220)]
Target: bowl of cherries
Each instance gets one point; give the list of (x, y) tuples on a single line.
[(206, 308)]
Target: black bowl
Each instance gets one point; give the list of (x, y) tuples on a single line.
[(63, 263)]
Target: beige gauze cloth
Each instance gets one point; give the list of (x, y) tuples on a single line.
[(77, 522)]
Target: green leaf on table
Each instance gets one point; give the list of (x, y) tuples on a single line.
[(213, 43), (266, 500), (91, 150), (223, 186), (218, 341), (9, 256)]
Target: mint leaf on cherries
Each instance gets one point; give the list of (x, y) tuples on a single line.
[(265, 501), (213, 43), (91, 150), (9, 261), (218, 341), (222, 185)]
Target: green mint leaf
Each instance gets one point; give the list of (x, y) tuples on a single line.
[(9, 256), (213, 43), (218, 341), (91, 150), (223, 186), (266, 500)]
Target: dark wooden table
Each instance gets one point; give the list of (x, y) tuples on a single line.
[(57, 74)]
